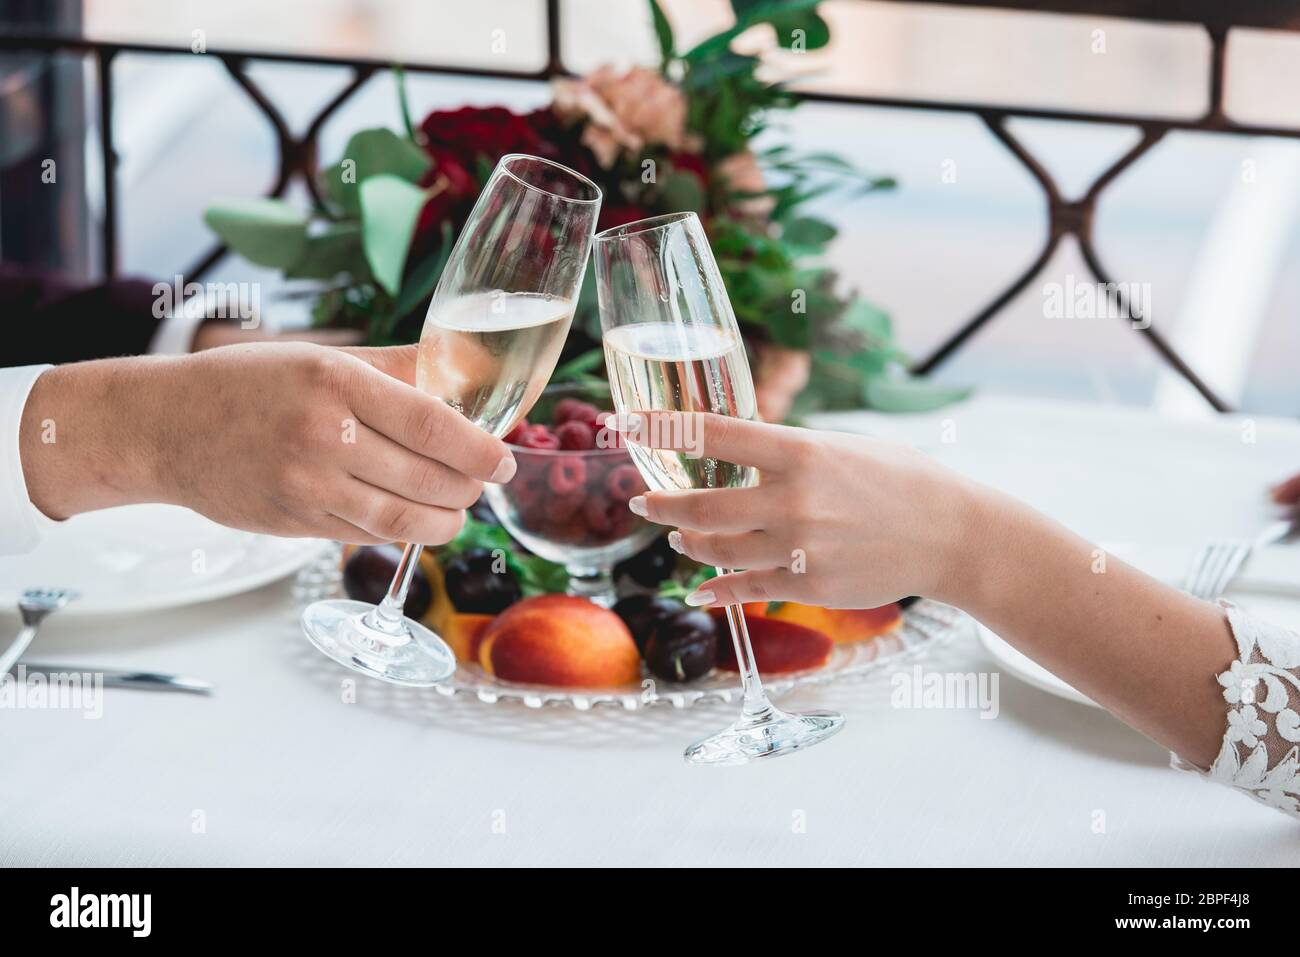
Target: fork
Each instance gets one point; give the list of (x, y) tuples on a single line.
[(35, 604), (1218, 561)]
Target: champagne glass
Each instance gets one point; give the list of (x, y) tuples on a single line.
[(672, 344), (492, 335)]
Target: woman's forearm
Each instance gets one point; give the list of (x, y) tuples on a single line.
[(1140, 648)]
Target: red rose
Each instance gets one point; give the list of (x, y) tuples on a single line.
[(620, 215), (454, 187), (470, 132)]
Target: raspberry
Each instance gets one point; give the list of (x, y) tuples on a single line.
[(538, 437), (515, 434), (561, 508), (597, 516), (575, 435), (574, 410), (567, 475), (624, 482)]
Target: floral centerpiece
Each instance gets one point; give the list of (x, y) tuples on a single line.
[(680, 137)]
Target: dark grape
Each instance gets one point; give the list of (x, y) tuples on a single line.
[(475, 587), (369, 571), (641, 613), (683, 647), (650, 566)]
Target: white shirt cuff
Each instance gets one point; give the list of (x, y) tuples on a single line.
[(21, 522)]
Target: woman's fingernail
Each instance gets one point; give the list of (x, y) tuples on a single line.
[(505, 470), (675, 541), (697, 598), (636, 505), (624, 422)]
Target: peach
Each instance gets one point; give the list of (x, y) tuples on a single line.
[(441, 611), (464, 633), (560, 640), (842, 624), (779, 646)]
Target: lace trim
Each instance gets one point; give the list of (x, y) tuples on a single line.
[(1260, 755)]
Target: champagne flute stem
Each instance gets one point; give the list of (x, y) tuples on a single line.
[(390, 614), (755, 703)]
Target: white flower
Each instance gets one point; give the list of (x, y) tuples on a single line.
[(1239, 682), (1244, 726)]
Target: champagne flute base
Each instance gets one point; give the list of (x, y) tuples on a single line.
[(339, 629), (767, 734)]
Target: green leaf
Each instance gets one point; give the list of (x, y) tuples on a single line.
[(268, 232), (335, 250), (787, 13), (910, 394), (663, 32), (403, 102), (807, 231), (683, 192), (537, 576), (579, 365), (390, 207), (372, 153), (871, 321)]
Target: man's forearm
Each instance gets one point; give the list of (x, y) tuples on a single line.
[(1142, 649), (89, 435)]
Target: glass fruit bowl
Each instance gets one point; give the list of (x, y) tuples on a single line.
[(568, 500), (925, 626)]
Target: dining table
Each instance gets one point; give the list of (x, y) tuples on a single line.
[(296, 761)]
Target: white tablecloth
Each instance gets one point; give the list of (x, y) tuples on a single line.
[(278, 769)]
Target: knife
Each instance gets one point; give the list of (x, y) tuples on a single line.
[(122, 678)]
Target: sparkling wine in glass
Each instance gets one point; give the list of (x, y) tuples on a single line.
[(672, 344), (491, 338)]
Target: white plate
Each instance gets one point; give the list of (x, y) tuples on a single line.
[(145, 557), (1266, 582)]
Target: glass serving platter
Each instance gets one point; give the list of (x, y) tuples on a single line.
[(926, 624)]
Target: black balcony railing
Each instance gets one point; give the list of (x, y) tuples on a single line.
[(1065, 217)]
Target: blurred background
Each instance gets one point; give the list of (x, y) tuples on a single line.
[(1210, 222)]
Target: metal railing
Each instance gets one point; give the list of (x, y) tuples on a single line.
[(1065, 217)]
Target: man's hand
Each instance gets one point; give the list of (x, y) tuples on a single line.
[(290, 439)]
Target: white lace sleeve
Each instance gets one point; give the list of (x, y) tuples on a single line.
[(1259, 755)]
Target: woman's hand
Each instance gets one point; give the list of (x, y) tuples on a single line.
[(836, 520), (289, 439)]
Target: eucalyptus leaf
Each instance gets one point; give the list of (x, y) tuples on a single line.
[(372, 153), (910, 394), (872, 321), (268, 232), (390, 207), (807, 231), (334, 250)]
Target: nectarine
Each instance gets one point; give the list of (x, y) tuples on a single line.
[(560, 640), (842, 624), (463, 632)]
